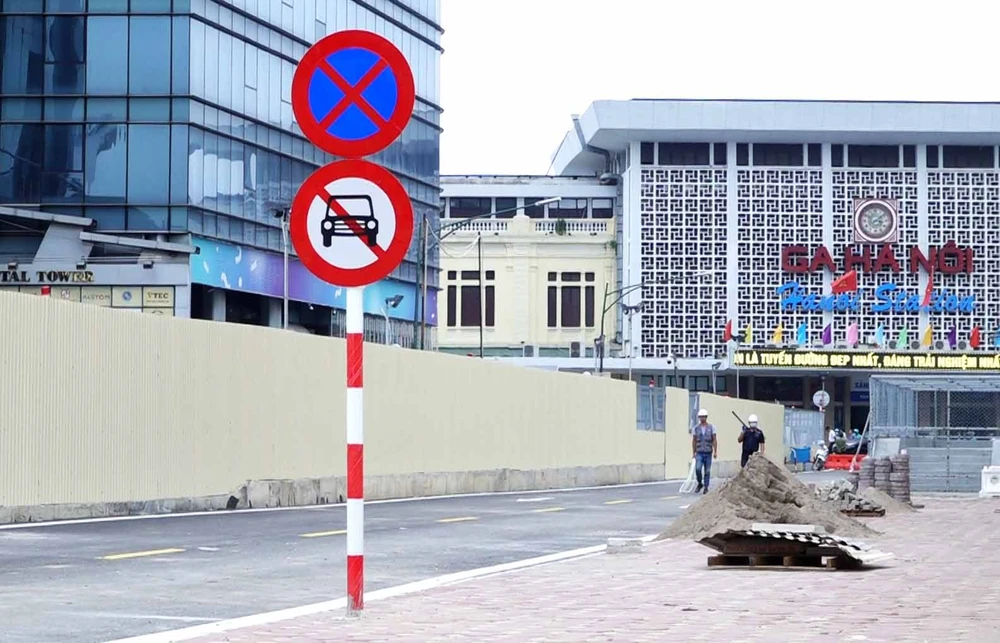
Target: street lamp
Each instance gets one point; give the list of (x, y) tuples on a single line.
[(445, 230), (625, 290), (628, 310), (282, 215), (391, 302)]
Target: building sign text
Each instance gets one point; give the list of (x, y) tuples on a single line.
[(46, 276), (888, 299), (858, 360), (949, 259)]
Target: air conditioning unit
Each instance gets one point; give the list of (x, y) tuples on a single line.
[(576, 349), (915, 345), (528, 350), (962, 345), (939, 345)]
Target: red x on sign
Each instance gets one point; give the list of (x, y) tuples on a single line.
[(353, 93)]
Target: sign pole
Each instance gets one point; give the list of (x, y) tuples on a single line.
[(355, 451)]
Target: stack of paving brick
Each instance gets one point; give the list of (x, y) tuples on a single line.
[(899, 478), (866, 476), (883, 469)]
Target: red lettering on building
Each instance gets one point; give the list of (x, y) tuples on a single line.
[(949, 259)]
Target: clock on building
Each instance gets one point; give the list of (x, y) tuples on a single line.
[(876, 221)]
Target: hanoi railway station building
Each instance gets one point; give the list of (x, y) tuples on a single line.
[(771, 249)]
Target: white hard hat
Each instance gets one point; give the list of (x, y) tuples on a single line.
[(752, 419), (703, 413)]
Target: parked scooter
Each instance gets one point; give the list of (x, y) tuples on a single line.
[(822, 451)]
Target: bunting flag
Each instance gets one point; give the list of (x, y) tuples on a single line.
[(904, 339), (852, 334), (880, 336), (927, 291), (802, 335), (952, 337), (748, 335), (727, 334), (996, 338), (779, 334), (846, 283), (974, 338), (928, 338), (827, 335)]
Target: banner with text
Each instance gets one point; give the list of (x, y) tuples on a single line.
[(859, 360)]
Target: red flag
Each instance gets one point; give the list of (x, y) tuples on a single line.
[(974, 337), (927, 291), (727, 334), (846, 283)]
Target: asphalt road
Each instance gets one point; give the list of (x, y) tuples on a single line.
[(99, 581)]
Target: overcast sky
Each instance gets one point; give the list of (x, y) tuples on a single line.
[(514, 71)]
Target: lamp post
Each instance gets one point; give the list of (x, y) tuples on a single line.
[(390, 302), (628, 310), (282, 215), (445, 230), (621, 293)]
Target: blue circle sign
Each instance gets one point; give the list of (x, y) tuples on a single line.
[(353, 93)]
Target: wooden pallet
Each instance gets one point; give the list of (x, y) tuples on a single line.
[(863, 513), (809, 561)]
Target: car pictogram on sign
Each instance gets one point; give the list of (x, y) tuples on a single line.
[(350, 224)]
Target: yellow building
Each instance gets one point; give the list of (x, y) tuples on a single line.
[(547, 249)]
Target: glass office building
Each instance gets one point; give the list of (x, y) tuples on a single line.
[(169, 118)]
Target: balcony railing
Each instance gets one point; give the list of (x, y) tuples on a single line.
[(590, 227)]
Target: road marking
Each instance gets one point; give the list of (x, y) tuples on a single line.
[(210, 629), (532, 499), (388, 501), (320, 534), (143, 554), (461, 519), (208, 549), (670, 498), (617, 502), (684, 506), (143, 617), (548, 509)]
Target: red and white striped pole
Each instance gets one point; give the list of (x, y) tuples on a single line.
[(355, 451)]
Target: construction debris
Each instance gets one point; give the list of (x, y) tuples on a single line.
[(887, 502), (842, 495), (761, 492), (789, 546)]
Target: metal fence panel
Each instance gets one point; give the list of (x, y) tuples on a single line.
[(946, 424), (650, 408), (803, 428)]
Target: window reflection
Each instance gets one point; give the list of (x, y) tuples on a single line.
[(64, 55), (149, 55), (21, 54), (148, 163), (105, 163), (107, 55)]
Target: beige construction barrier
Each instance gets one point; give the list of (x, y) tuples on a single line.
[(105, 412)]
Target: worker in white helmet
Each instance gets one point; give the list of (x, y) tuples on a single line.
[(752, 439), (704, 446)]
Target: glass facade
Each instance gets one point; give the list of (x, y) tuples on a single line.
[(158, 116)]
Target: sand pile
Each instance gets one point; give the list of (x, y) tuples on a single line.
[(761, 492), (887, 502)]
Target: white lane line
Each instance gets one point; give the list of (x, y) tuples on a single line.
[(683, 506), (144, 617), (188, 633), (532, 499), (208, 549), (389, 501)]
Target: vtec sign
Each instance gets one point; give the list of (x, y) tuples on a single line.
[(888, 299)]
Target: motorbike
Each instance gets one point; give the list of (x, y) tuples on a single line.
[(819, 460)]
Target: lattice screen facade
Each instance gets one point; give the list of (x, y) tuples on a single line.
[(964, 206), (683, 214), (689, 215), (775, 208), (878, 184)]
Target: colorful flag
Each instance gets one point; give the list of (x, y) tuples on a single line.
[(827, 335), (801, 336), (996, 338), (974, 338), (852, 334), (779, 334), (903, 340), (880, 336), (927, 291), (846, 283), (952, 337), (727, 334), (748, 335), (928, 338)]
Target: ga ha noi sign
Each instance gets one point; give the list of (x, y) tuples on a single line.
[(865, 360)]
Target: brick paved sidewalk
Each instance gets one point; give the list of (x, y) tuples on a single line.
[(942, 588)]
